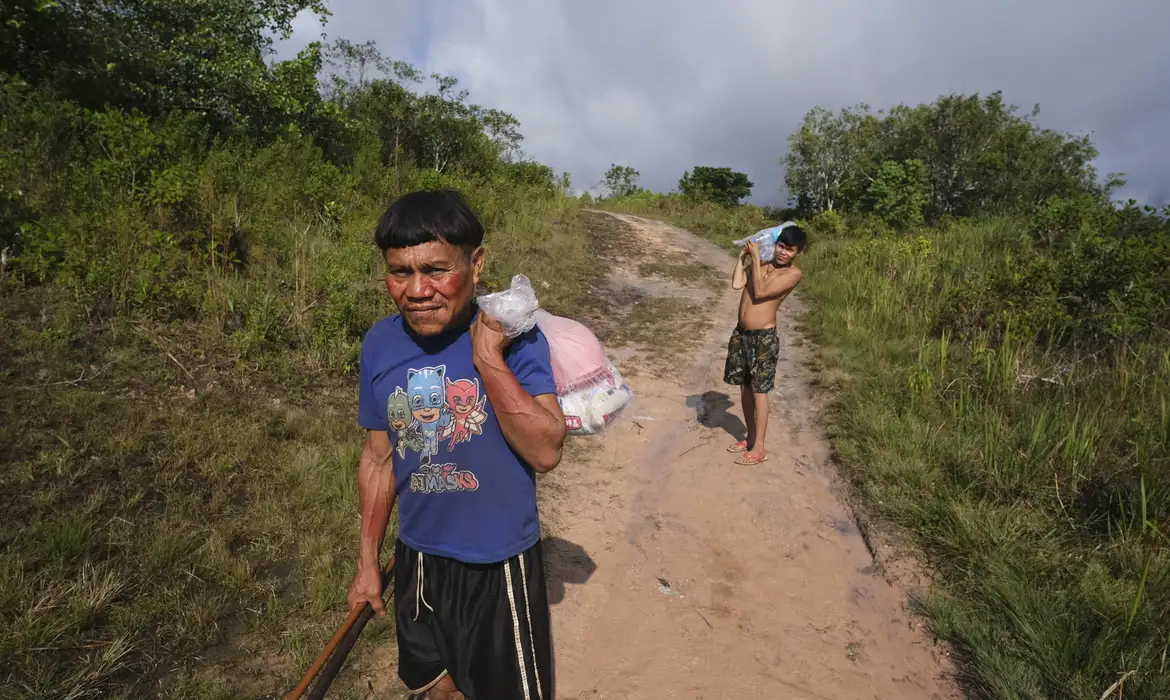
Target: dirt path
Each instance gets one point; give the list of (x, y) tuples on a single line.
[(677, 574)]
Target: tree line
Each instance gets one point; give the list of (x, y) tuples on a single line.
[(962, 155), (141, 140), (717, 185)]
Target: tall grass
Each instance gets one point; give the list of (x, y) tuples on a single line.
[(1036, 479)]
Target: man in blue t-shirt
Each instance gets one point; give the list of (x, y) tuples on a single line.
[(459, 419)]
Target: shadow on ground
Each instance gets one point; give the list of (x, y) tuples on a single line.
[(565, 563), (711, 410)]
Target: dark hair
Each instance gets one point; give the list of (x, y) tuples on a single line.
[(793, 236), (429, 215)]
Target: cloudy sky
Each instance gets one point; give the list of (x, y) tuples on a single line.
[(664, 85)]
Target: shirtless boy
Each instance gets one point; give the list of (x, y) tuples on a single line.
[(754, 348)]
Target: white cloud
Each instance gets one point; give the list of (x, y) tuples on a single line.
[(665, 85)]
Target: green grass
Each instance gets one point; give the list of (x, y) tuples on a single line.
[(712, 221), (1036, 481), (181, 503)]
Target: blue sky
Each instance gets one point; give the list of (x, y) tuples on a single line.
[(663, 85)]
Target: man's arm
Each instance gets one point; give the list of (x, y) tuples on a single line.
[(778, 283), (739, 274), (533, 425), (376, 496)]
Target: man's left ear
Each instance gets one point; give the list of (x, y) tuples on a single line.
[(477, 264)]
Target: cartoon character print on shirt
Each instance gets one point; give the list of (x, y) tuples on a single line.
[(428, 405), (467, 414), (402, 422), (434, 408)]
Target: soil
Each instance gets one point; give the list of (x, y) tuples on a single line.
[(676, 573)]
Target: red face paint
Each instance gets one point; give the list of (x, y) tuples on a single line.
[(432, 284)]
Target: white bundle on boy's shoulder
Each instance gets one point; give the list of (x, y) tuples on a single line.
[(590, 389), (766, 238)]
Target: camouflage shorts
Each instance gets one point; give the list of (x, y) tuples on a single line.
[(751, 359)]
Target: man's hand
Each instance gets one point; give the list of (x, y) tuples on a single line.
[(753, 249), (488, 339), (367, 588)]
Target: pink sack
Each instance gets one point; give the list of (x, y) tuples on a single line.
[(590, 389), (578, 357)]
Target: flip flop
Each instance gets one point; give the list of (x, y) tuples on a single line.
[(740, 446), (751, 461)]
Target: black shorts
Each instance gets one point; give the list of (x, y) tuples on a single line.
[(487, 626)]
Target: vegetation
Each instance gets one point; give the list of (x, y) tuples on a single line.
[(721, 186), (1034, 475), (621, 181), (719, 223), (963, 155), (188, 272), (995, 331)]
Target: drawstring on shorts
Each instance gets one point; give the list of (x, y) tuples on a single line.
[(419, 596)]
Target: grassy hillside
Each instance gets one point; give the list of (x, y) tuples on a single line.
[(188, 273), (1035, 477)]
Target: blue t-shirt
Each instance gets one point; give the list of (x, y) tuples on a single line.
[(463, 492)]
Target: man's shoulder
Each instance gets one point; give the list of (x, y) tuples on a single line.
[(385, 332), (531, 339)]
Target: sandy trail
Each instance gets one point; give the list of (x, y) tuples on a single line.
[(675, 573)]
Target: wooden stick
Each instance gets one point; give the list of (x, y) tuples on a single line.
[(337, 658), (340, 646)]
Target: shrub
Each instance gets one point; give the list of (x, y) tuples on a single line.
[(828, 223), (1076, 274)]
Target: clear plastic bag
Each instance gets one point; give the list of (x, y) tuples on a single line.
[(767, 239), (514, 308)]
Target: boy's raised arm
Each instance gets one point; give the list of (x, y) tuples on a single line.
[(739, 274)]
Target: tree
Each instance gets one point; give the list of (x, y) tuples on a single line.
[(438, 130), (977, 153), (722, 186), (158, 56), (621, 181), (824, 156), (897, 194)]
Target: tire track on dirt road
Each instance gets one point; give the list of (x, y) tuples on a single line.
[(675, 573)]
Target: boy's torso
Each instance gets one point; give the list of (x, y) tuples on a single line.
[(760, 315)]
